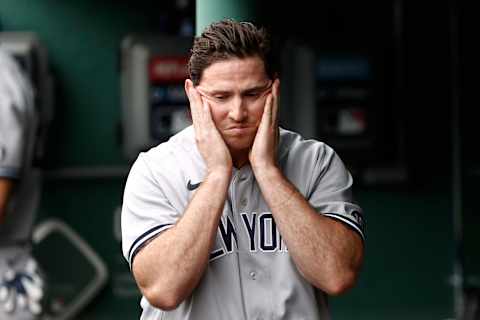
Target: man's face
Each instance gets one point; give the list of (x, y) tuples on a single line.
[(236, 90)]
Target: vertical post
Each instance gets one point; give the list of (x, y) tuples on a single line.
[(208, 11), (458, 267), (399, 81)]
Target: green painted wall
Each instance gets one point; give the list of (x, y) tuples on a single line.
[(407, 261), (208, 11), (409, 248)]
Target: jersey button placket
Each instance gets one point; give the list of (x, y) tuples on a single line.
[(233, 191), (243, 203), (243, 177)]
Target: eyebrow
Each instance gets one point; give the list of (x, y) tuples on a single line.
[(266, 86)]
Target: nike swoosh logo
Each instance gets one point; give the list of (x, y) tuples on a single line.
[(191, 186)]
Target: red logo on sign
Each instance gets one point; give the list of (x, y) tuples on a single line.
[(168, 69)]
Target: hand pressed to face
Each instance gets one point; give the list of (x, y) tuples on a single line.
[(264, 149), (236, 90), (209, 141)]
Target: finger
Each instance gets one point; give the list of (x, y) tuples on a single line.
[(204, 111), (276, 88), (275, 101), (206, 103), (194, 99), (267, 111), (207, 112), (203, 93), (266, 116)]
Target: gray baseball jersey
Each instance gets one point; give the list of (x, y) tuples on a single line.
[(250, 274), (18, 125), (17, 134)]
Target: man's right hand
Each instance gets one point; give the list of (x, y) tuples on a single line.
[(210, 143)]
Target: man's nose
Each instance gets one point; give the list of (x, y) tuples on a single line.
[(237, 111)]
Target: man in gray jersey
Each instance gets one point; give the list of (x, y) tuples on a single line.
[(21, 287), (234, 217)]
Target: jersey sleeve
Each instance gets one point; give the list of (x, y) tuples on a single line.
[(146, 209), (331, 191), (13, 120)]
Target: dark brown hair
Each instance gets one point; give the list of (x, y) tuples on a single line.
[(229, 39)]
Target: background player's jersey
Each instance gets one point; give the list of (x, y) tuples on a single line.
[(250, 274), (18, 125)]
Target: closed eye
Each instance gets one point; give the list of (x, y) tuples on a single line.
[(257, 92), (220, 97), (253, 95)]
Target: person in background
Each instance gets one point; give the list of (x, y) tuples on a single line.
[(21, 283)]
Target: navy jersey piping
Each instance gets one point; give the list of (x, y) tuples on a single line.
[(143, 237), (348, 221)]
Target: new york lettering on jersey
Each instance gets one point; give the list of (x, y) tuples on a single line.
[(258, 229)]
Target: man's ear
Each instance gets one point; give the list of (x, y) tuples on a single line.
[(188, 86)]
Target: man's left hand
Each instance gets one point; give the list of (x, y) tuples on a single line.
[(263, 154)]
